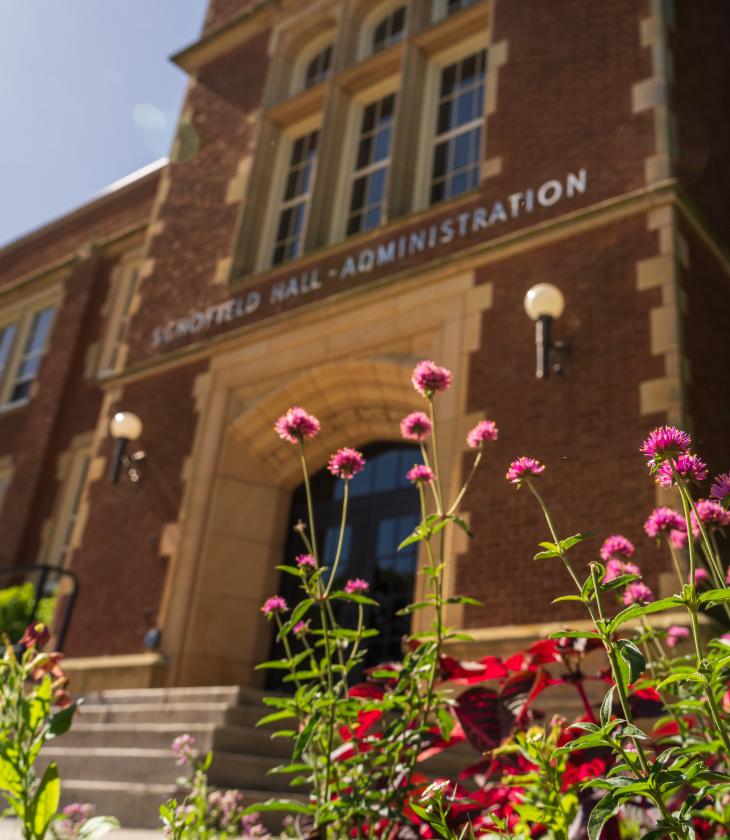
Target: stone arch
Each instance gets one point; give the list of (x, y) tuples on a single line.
[(244, 532)]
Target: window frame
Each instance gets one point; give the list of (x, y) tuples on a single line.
[(67, 521), (289, 135), (22, 314), (440, 9), (437, 62), (318, 45), (123, 285), (347, 173), (371, 22)]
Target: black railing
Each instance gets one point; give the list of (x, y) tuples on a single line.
[(45, 580)]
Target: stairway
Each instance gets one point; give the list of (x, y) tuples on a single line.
[(117, 754)]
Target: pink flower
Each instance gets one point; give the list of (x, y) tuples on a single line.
[(711, 514), (616, 546), (721, 487), (346, 463), (356, 585), (678, 538), (665, 442), (272, 605), (420, 474), (416, 426), (688, 466), (663, 519), (306, 562), (183, 747), (615, 568), (301, 627), (485, 430), (428, 378), (637, 592), (701, 576), (523, 468), (675, 634), (296, 425)]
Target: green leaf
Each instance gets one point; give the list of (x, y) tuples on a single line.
[(631, 731), (550, 546), (636, 610), (305, 736), (601, 814), (462, 524), (45, 802), (569, 542), (411, 608), (415, 537), (61, 721), (620, 581), (574, 634), (567, 598), (446, 722), (633, 657), (607, 706), (10, 779), (464, 600), (97, 827), (714, 596), (40, 705), (274, 716), (292, 806), (692, 676), (546, 555)]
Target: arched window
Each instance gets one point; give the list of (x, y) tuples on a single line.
[(383, 510), (319, 68), (389, 30)]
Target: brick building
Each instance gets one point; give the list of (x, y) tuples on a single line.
[(355, 186)]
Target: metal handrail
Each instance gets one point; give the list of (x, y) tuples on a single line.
[(43, 572)]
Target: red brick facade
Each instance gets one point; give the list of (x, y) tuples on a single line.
[(575, 100)]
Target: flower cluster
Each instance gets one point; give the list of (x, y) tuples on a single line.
[(637, 592), (72, 819), (522, 469), (356, 586), (720, 490), (420, 474), (711, 514), (274, 605), (296, 425), (616, 547), (485, 430), (306, 562), (346, 463), (687, 466), (665, 442), (428, 378), (416, 426), (183, 748)]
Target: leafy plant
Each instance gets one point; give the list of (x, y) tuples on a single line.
[(16, 606)]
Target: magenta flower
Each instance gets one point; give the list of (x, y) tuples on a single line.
[(416, 426), (720, 489), (678, 537), (701, 576), (183, 748), (637, 592), (663, 519), (346, 463), (665, 442), (356, 585), (428, 378), (615, 568), (616, 546), (688, 466), (522, 469), (300, 628), (296, 425), (306, 562), (675, 635), (420, 474), (275, 604), (711, 514), (485, 430)]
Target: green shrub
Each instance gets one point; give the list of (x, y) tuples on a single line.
[(16, 605)]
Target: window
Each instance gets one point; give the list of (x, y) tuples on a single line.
[(459, 126), (383, 510), (453, 6), (70, 510), (367, 196), (390, 30), (292, 216), (7, 337), (123, 287), (30, 360), (319, 68)]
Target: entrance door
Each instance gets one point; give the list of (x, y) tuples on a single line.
[(383, 510)]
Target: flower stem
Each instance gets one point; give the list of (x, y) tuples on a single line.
[(473, 470), (340, 538), (310, 505)]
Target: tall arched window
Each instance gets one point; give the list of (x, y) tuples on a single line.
[(383, 511), (319, 68), (389, 30)]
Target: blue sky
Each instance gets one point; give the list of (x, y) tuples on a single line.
[(87, 95)]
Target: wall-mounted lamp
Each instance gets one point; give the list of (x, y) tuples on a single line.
[(126, 427), (543, 303)]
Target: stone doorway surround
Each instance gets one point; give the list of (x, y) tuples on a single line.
[(348, 360)]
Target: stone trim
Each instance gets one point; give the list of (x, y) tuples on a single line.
[(497, 56)]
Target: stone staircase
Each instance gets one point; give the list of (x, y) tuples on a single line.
[(117, 754)]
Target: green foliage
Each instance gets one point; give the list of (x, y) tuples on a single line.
[(16, 605)]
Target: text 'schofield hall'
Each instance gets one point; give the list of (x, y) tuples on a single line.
[(355, 186)]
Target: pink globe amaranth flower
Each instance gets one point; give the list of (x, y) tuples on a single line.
[(663, 519), (675, 635), (678, 537), (485, 430), (183, 748), (416, 426), (615, 568), (420, 474), (701, 576), (346, 463), (523, 468), (711, 515), (637, 592), (428, 378), (300, 628), (275, 604), (356, 585), (720, 490), (688, 466), (616, 546), (306, 562), (665, 442), (296, 425)]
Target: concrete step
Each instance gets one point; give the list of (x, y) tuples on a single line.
[(178, 713), (159, 736), (231, 694)]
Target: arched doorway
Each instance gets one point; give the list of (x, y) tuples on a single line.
[(383, 511)]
